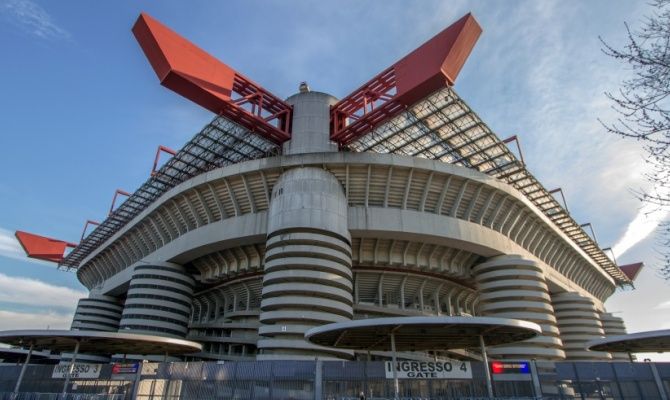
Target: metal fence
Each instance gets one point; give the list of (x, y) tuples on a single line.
[(338, 380)]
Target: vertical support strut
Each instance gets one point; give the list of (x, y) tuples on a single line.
[(23, 370), (394, 366), (489, 385), (70, 369)]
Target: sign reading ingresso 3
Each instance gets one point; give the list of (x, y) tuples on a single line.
[(443, 369), (86, 371)]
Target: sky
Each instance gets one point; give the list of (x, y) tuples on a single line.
[(82, 112)]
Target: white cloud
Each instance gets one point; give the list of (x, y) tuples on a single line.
[(20, 320), (32, 292), (553, 76), (664, 306), (33, 19), (645, 223), (10, 247)]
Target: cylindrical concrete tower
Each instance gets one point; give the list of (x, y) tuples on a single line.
[(307, 279), (514, 287), (579, 322), (97, 313), (159, 300), (614, 326)]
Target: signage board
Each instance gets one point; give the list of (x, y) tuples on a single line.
[(80, 371), (510, 367), (125, 368), (442, 369)]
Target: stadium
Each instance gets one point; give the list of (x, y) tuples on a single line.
[(280, 216)]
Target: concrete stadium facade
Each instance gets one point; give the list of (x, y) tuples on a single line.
[(245, 258)]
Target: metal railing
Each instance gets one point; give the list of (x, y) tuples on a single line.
[(59, 396)]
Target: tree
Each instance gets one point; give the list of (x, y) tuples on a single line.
[(643, 105)]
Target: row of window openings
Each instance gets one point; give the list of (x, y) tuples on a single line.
[(158, 297), (165, 289), (184, 281), (134, 327), (214, 315), (224, 333), (156, 307), (230, 349), (393, 299), (155, 318)]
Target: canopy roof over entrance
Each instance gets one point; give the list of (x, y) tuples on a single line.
[(640, 342), (422, 333), (94, 342)]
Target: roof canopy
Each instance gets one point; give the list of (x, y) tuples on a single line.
[(15, 355), (421, 333), (94, 342), (640, 342)]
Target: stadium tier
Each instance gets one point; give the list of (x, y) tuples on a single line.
[(283, 215)]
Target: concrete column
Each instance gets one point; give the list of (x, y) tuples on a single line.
[(310, 131), (579, 322), (513, 287), (307, 278), (159, 301), (614, 326), (97, 313)]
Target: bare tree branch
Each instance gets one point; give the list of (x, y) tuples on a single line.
[(643, 105)]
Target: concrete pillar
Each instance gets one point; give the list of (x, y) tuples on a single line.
[(513, 287), (614, 326), (307, 278), (310, 131), (97, 313), (159, 301), (579, 322)]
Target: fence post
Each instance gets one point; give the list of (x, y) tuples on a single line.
[(616, 378), (579, 381), (659, 382), (136, 383), (318, 379)]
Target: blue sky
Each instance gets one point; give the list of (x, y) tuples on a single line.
[(82, 111)]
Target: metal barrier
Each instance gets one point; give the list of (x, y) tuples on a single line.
[(58, 396), (337, 380)]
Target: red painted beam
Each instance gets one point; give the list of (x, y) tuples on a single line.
[(632, 270), (161, 149), (430, 67), (116, 194), (43, 248), (193, 73)]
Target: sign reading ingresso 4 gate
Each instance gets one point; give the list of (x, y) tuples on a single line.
[(443, 369), (86, 371)]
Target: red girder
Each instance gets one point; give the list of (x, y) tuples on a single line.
[(43, 248), (193, 73), (430, 67), (632, 270)]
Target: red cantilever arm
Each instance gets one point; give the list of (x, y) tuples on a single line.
[(193, 73), (43, 248), (430, 67)]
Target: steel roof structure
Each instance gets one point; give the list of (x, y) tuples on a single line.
[(409, 109), (443, 127), (285, 214), (440, 127), (220, 143)]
